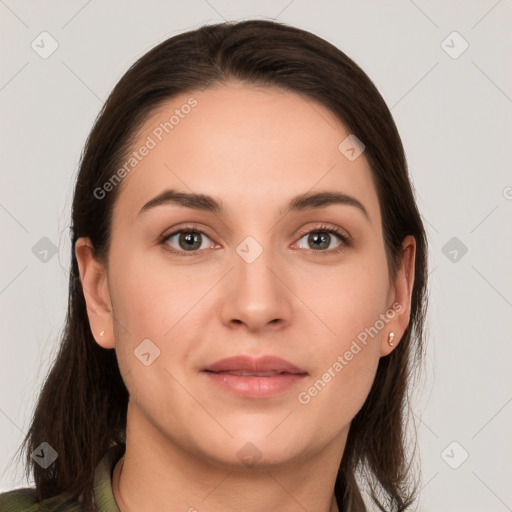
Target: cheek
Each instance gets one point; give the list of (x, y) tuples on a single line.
[(155, 392), (352, 307), (341, 379), (347, 298), (351, 387), (152, 301), (148, 298)]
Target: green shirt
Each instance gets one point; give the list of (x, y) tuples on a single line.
[(24, 499)]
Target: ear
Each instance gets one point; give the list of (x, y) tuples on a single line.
[(93, 278), (400, 296)]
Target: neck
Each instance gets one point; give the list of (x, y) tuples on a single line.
[(124, 507)]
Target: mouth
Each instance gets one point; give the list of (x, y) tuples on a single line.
[(254, 366), (242, 373), (254, 377)]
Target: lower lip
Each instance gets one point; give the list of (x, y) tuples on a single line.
[(255, 387)]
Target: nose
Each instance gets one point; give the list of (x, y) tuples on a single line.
[(256, 294)]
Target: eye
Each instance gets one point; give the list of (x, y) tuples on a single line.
[(187, 239), (321, 237)]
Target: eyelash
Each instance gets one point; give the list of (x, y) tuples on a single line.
[(192, 228)]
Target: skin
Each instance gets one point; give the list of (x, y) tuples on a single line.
[(254, 148)]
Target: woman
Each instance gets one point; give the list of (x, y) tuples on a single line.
[(247, 294)]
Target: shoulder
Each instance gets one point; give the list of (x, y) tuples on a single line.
[(18, 499), (24, 500)]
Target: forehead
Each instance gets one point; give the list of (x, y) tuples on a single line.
[(253, 147)]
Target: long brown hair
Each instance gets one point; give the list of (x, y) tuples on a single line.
[(81, 410)]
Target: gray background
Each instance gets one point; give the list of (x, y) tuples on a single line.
[(454, 116)]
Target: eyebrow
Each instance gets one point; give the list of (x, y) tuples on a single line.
[(307, 201)]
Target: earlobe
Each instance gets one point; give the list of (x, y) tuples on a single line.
[(401, 297), (93, 278)]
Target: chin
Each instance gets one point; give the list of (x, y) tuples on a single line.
[(255, 448)]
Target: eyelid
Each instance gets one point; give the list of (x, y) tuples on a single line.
[(190, 226), (325, 226)]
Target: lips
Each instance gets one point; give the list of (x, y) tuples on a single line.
[(243, 373), (266, 366), (250, 377)]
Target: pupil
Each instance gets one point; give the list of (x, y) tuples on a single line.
[(322, 238), (189, 240)]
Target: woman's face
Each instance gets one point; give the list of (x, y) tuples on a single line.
[(252, 272)]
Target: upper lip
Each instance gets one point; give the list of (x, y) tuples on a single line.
[(255, 365)]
